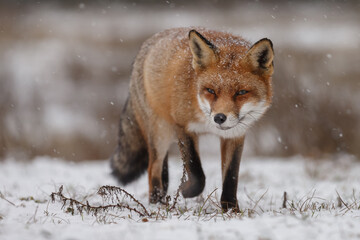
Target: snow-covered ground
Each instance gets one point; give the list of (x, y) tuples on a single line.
[(322, 202)]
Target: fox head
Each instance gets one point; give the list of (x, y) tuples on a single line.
[(233, 81)]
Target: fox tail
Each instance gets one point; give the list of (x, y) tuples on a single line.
[(130, 159)]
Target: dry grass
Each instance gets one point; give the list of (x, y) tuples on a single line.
[(119, 204)]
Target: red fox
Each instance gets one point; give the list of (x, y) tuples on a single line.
[(187, 82)]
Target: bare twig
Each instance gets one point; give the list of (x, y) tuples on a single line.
[(285, 200), (342, 200), (33, 218), (183, 178), (208, 197), (3, 197), (257, 202), (307, 200), (93, 209), (106, 191)]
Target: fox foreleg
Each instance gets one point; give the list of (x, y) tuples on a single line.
[(195, 183), (231, 150), (158, 146)]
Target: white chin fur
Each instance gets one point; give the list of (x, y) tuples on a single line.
[(206, 127), (249, 113)]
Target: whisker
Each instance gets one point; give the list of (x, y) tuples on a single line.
[(252, 116)]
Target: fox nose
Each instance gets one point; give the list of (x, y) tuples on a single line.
[(220, 118)]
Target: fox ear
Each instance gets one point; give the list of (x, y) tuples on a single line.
[(260, 57), (203, 51)]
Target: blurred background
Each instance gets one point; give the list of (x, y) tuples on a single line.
[(65, 67)]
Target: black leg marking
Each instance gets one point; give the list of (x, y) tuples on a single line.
[(165, 175), (228, 196), (196, 177)]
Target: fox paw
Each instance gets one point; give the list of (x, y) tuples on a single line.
[(156, 196), (191, 189), (226, 205)]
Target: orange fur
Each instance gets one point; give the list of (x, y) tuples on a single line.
[(186, 82)]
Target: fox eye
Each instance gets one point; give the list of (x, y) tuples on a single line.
[(210, 90), (241, 92)]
